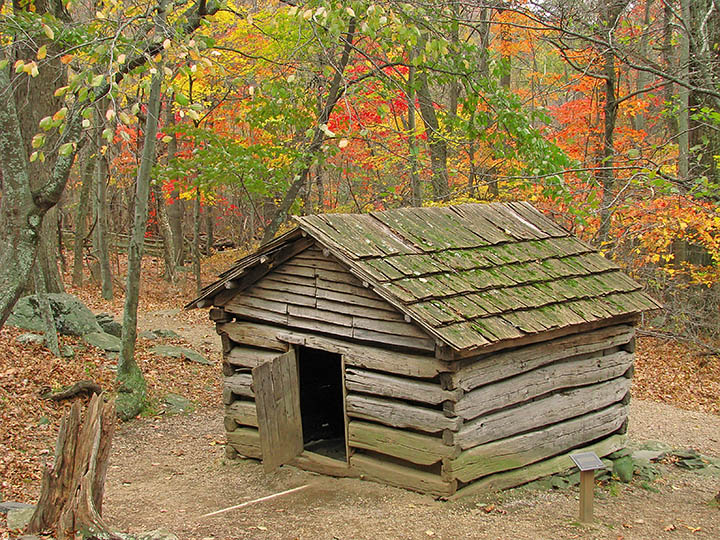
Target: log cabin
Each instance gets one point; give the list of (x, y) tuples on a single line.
[(447, 350)]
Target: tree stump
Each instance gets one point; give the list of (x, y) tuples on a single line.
[(72, 489)]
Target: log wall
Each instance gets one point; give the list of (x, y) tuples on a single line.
[(413, 420), (521, 409)]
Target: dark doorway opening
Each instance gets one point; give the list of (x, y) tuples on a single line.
[(321, 402)]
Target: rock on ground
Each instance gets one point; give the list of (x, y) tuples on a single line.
[(72, 317), (181, 352), (104, 341)]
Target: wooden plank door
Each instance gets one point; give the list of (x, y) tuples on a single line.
[(277, 399)]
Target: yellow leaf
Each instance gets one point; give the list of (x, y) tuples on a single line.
[(48, 31), (166, 139), (42, 52)]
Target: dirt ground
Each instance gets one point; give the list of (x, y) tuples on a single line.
[(169, 472)]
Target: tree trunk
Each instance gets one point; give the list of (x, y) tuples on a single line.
[(175, 209), (413, 150), (334, 95), (196, 241), (210, 238), (166, 234), (643, 77), (100, 236), (668, 54), (21, 208), (73, 488), (436, 142), (131, 394), (606, 174), (81, 218), (47, 263), (50, 333), (684, 97)]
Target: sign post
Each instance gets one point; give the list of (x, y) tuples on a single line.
[(588, 463)]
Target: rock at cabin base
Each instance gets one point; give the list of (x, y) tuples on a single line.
[(72, 317), (623, 468)]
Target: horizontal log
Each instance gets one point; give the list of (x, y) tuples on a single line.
[(354, 354), (527, 448), (371, 300), (390, 327), (296, 270), (413, 447), (358, 308), (370, 382), (399, 414), (314, 325), (278, 295), (329, 317), (479, 371), (405, 477), (269, 283), (256, 308), (310, 461), (355, 290), (242, 412), (317, 260), (249, 357), (246, 441), (555, 465), (239, 384), (546, 411), (253, 335), (541, 381), (408, 342), (573, 329)]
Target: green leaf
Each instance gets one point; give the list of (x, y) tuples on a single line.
[(182, 99), (66, 149)]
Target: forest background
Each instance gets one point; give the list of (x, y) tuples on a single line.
[(206, 124)]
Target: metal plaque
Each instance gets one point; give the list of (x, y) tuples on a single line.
[(587, 461)]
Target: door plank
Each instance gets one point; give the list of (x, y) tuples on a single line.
[(277, 397)]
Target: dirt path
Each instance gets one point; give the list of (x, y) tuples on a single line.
[(169, 472)]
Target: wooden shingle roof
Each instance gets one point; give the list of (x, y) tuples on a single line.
[(472, 275)]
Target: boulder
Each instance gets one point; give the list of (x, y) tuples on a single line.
[(7, 506), (103, 340), (109, 324), (177, 404), (159, 334), (37, 339), (623, 468), (649, 455), (181, 352), (72, 317), (18, 518)]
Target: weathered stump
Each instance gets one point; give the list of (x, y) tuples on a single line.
[(72, 489)]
